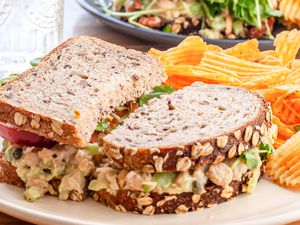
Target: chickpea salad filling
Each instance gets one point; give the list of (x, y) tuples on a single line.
[(62, 171), (246, 167), (68, 173)]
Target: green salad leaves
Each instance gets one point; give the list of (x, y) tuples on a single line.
[(252, 12), (102, 126), (251, 158), (157, 91)]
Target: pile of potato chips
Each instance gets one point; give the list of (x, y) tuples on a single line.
[(275, 74), (291, 11)]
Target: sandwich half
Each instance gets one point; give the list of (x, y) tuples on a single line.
[(195, 148), (49, 114)]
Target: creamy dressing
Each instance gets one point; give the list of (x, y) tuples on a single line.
[(112, 179), (37, 168)]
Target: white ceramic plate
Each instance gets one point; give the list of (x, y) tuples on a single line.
[(270, 204)]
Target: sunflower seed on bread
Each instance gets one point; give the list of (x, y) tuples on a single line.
[(74, 86)]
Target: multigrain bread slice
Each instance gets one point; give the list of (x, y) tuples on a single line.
[(198, 125), (74, 86)]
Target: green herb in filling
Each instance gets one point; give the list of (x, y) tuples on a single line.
[(102, 126), (265, 149), (157, 91), (250, 158)]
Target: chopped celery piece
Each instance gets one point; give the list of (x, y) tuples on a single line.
[(32, 194), (164, 180)]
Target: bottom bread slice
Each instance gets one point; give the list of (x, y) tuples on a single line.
[(155, 203)]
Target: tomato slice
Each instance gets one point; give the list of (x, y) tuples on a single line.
[(24, 138)]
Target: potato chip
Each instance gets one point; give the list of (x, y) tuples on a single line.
[(287, 44), (271, 60), (188, 52), (248, 72), (295, 64), (247, 50), (267, 53), (293, 77), (199, 73), (214, 48), (290, 10), (284, 165)]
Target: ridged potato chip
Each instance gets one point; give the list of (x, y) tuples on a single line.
[(251, 74), (284, 165), (271, 60), (247, 50), (290, 10), (287, 44), (188, 52), (293, 77), (214, 48)]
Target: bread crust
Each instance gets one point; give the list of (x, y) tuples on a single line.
[(127, 201), (170, 155), (68, 132), (8, 174)]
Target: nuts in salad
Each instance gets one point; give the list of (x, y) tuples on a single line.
[(220, 174)]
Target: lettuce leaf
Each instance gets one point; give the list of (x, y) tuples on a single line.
[(250, 11)]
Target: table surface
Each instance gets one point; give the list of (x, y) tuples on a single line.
[(79, 22)]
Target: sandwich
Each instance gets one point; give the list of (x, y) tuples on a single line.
[(195, 148), (51, 114)]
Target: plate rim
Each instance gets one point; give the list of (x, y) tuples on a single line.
[(34, 216)]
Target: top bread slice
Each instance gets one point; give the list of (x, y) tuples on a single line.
[(74, 86), (197, 125)]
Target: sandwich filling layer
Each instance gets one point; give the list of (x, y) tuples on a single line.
[(62, 171), (112, 178)]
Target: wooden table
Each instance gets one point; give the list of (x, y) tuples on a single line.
[(79, 22)]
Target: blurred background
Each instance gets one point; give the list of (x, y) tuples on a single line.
[(31, 28)]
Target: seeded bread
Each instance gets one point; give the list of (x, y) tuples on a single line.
[(8, 174), (74, 86), (197, 125), (155, 203)]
